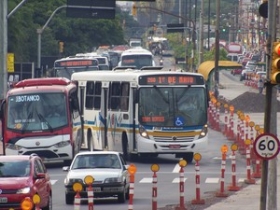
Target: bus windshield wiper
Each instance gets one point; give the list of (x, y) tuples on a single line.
[(30, 115), (161, 94), (42, 119)]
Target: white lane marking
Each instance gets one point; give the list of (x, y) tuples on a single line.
[(53, 182), (176, 168), (146, 180), (177, 180), (228, 157), (241, 180), (212, 180)]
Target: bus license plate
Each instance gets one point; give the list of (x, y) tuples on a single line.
[(3, 200), (174, 146)]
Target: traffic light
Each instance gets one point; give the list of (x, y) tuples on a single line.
[(263, 9), (275, 64), (61, 47), (134, 10)]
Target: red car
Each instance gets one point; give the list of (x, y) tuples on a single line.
[(23, 176), (236, 71)]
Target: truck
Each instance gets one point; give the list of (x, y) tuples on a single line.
[(135, 42)]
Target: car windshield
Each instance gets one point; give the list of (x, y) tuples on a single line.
[(37, 112), (14, 168), (172, 106), (96, 161)]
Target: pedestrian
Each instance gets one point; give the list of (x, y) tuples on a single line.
[(260, 85)]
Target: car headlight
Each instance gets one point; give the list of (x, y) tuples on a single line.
[(12, 146), (143, 132), (24, 190), (68, 181), (62, 144), (113, 180), (203, 132)]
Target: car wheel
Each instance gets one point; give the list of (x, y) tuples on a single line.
[(49, 206), (69, 199), (188, 157), (122, 196)]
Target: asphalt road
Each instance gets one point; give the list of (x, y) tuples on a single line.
[(168, 179)]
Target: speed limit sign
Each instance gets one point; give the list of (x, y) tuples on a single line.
[(266, 146)]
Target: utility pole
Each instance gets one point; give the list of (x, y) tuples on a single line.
[(3, 47), (4, 43), (269, 168), (217, 43), (201, 31)]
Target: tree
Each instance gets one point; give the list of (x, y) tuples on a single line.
[(79, 35)]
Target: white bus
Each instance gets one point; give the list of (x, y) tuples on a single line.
[(144, 112), (138, 57)]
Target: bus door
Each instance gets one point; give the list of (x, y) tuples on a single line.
[(104, 115)]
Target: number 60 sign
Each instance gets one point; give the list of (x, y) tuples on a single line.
[(266, 146)]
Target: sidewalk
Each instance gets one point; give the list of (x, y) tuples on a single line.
[(248, 198)]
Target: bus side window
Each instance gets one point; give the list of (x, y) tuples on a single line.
[(97, 95), (114, 97), (124, 96), (2, 108)]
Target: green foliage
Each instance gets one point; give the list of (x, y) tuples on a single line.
[(79, 35), (210, 55)]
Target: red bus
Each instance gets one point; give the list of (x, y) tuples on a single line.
[(42, 116)]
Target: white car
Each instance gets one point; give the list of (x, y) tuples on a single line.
[(109, 170)]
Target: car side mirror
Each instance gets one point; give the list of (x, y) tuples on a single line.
[(40, 176), (126, 167), (65, 168)]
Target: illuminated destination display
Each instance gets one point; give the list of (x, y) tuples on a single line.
[(171, 80), (75, 63), (153, 119)]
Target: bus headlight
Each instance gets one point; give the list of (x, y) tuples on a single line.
[(203, 132), (62, 144), (143, 132), (12, 146)]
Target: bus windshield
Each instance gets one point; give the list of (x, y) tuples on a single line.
[(37, 112), (172, 106), (67, 72), (137, 60)]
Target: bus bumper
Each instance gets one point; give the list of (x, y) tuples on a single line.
[(151, 146)]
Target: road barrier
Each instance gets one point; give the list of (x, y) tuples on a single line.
[(233, 186), (197, 200), (36, 201), (222, 193), (131, 170), (155, 169), (77, 187), (89, 180), (27, 204), (182, 164), (249, 179)]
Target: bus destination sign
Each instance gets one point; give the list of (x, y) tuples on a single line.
[(73, 63), (170, 80)]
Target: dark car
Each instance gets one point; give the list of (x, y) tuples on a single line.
[(23, 176)]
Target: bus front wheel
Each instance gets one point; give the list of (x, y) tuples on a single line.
[(90, 142), (125, 147)]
